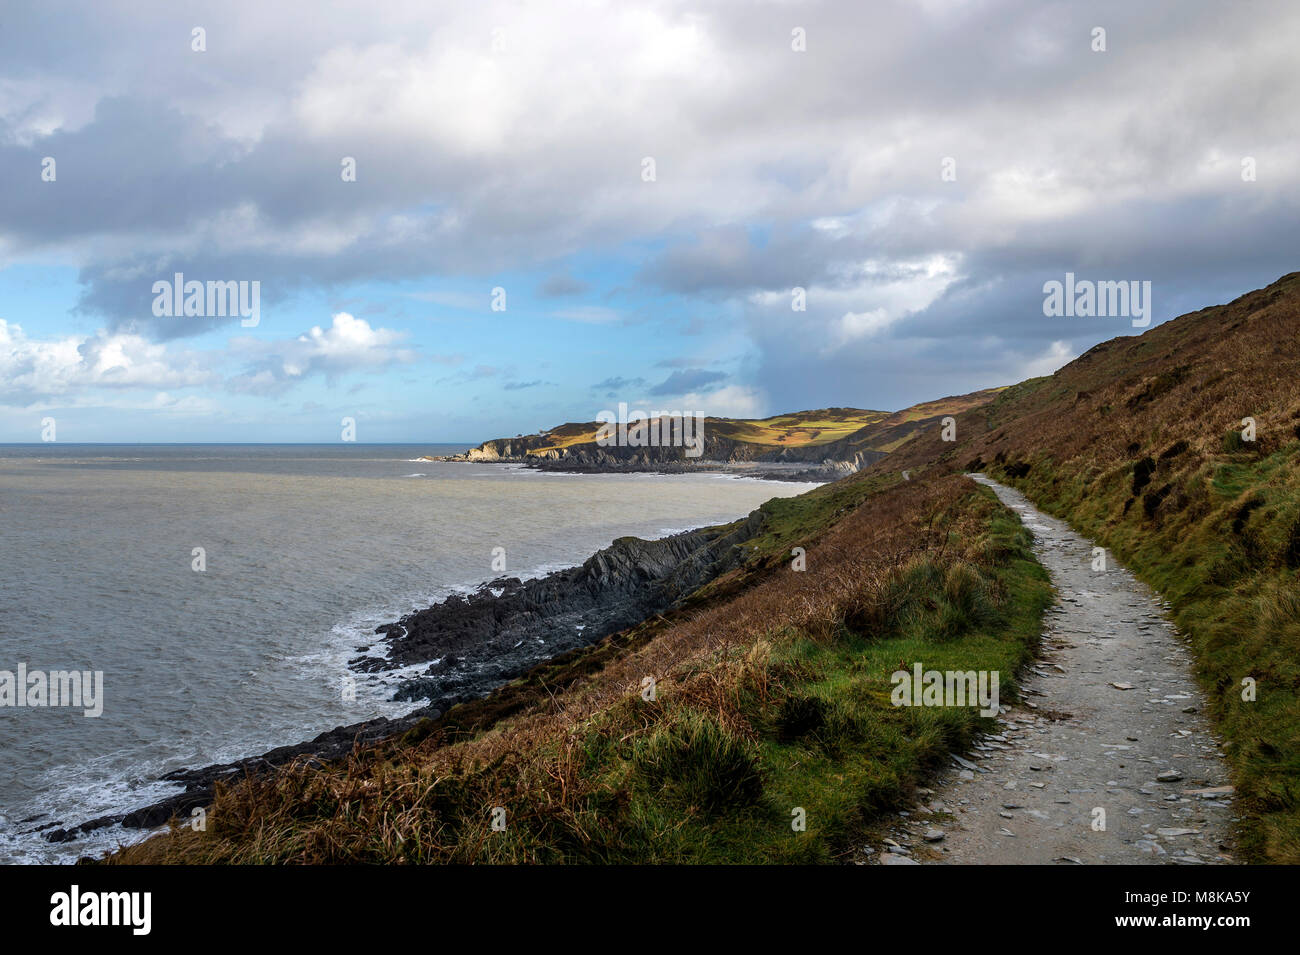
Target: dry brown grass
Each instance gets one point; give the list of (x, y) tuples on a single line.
[(1192, 379)]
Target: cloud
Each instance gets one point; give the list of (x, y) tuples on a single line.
[(34, 371), (459, 300), (684, 361), (183, 406), (690, 379), (1056, 355), (618, 382), (562, 285), (350, 344), (775, 169), (733, 401), (862, 324)]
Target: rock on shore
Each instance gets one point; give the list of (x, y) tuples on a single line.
[(475, 643)]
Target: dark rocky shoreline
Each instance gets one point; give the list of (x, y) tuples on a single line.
[(474, 644), (798, 473)]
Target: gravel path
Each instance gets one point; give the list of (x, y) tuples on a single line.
[(1112, 721)]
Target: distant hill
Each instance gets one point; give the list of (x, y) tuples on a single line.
[(841, 439)]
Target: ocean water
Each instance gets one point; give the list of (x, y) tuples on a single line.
[(307, 548)]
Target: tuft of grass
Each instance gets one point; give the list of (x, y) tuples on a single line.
[(696, 763)]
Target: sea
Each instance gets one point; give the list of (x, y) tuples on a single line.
[(221, 589)]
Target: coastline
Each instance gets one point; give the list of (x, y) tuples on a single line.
[(474, 644), (790, 471)]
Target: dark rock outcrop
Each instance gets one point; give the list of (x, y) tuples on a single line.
[(475, 643), (813, 463), (509, 625)]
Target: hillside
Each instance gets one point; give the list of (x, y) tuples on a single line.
[(771, 683), (841, 439), (1142, 444)]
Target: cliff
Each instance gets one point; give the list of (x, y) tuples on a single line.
[(824, 444)]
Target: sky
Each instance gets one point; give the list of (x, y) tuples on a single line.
[(473, 220)]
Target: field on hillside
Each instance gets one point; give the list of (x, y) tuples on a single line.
[(801, 428)]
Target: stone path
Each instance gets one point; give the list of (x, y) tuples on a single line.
[(1112, 721)]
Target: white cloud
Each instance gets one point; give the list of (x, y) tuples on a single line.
[(1057, 354), (731, 401), (36, 371), (349, 344), (870, 298), (472, 86), (861, 324), (33, 370)]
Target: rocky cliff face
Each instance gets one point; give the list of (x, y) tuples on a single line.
[(740, 444), (509, 625), (835, 459), (503, 450)]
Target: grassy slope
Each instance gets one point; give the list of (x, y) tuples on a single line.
[(772, 693), (805, 428), (796, 429), (1138, 444)]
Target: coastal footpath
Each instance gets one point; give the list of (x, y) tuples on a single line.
[(1108, 757), (474, 644)]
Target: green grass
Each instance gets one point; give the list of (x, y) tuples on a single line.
[(794, 430), (829, 742), (788, 521)]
